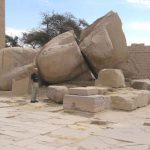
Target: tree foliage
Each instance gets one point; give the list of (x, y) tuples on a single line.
[(35, 38), (52, 25), (11, 41)]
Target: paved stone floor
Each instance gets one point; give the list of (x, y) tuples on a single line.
[(45, 126)]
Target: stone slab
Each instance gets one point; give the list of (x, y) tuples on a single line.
[(130, 100), (83, 91), (94, 103)]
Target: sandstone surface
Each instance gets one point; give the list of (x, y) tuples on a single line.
[(93, 103), (103, 43), (12, 61), (111, 78), (57, 93), (61, 60), (143, 84)]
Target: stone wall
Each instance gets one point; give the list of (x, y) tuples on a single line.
[(2, 24), (139, 57)]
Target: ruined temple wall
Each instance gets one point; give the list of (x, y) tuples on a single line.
[(139, 55), (2, 24)]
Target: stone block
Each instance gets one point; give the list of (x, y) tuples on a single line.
[(130, 100), (143, 98), (93, 104), (103, 43), (143, 84), (124, 101), (83, 91), (21, 87), (111, 78), (56, 93)]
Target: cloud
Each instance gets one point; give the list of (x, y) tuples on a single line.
[(145, 3), (14, 32), (46, 2), (140, 26)]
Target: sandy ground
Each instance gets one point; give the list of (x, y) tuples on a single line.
[(45, 126)]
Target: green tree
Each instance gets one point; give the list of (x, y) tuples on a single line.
[(35, 38), (11, 41), (52, 25)]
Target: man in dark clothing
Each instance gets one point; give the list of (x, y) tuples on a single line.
[(35, 85)]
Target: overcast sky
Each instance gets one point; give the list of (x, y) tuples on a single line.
[(24, 15)]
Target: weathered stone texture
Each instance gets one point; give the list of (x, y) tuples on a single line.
[(137, 66), (103, 43), (111, 78), (2, 24), (93, 103), (21, 87), (57, 93), (142, 84), (130, 99), (15, 63), (83, 91), (61, 60)]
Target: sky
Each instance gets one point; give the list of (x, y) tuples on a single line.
[(24, 15)]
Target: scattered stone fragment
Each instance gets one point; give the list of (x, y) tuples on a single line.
[(94, 103), (57, 93), (111, 78)]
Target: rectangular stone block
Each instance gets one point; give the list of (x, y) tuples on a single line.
[(126, 102), (21, 87), (83, 91), (94, 103), (131, 100)]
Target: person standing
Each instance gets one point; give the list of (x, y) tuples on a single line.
[(35, 85)]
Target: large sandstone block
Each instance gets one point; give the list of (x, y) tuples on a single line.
[(130, 100), (111, 78), (103, 43), (83, 91), (94, 103), (61, 60), (10, 60), (143, 84), (56, 93)]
